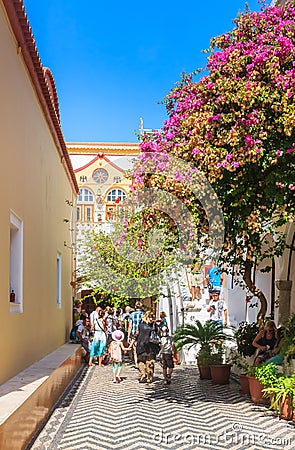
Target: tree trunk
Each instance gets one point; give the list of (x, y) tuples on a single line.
[(247, 277)]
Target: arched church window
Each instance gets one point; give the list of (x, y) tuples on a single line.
[(85, 195), (116, 194)]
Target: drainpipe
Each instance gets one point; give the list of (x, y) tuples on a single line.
[(285, 287), (170, 309), (181, 304)]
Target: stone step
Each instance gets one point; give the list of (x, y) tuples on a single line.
[(27, 399)]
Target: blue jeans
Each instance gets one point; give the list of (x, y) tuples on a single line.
[(277, 359), (217, 321)]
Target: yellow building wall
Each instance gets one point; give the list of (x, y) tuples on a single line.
[(35, 187)]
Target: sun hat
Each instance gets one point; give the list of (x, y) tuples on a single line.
[(118, 335)]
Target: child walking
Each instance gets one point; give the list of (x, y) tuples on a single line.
[(166, 353), (115, 350)]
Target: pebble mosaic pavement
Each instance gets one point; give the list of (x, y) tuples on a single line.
[(189, 414)]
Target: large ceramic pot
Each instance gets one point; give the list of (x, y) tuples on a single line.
[(244, 383), (256, 393), (205, 372), (220, 373), (286, 409)]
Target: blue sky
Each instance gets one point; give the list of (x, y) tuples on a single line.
[(114, 61)]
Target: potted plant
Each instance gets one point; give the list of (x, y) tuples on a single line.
[(282, 396), (203, 362), (261, 377), (206, 337), (236, 359), (220, 371)]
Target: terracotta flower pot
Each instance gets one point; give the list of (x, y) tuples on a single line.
[(244, 383), (205, 372), (286, 409), (220, 373), (256, 391)]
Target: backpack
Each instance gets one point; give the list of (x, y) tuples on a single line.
[(154, 337), (73, 334)]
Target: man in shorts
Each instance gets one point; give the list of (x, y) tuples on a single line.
[(134, 320), (196, 281)]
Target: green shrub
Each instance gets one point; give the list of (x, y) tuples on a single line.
[(244, 335)]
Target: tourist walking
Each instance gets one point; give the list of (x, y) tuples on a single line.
[(125, 321), (213, 279), (167, 348), (112, 323), (196, 281), (134, 320), (145, 349), (162, 321), (218, 309), (94, 315), (115, 350), (98, 347)]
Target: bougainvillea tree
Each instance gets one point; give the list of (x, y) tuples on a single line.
[(237, 126)]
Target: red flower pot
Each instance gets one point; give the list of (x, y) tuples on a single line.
[(256, 391), (205, 373), (286, 409), (220, 373), (244, 383)]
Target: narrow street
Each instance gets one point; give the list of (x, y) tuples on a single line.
[(189, 414)]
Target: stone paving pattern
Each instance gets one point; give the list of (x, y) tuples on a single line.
[(190, 414)]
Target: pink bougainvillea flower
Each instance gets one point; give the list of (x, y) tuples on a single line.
[(235, 164), (178, 176)]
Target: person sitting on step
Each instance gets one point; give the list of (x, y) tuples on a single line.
[(265, 341)]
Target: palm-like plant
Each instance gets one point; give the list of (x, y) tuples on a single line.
[(209, 336), (281, 390)]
